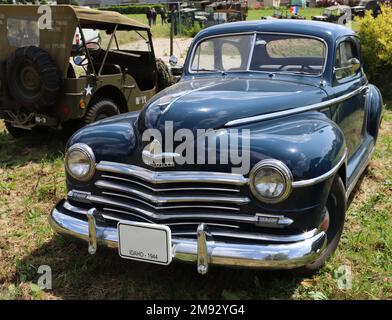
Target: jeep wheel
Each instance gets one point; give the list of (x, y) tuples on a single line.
[(14, 131), (164, 77), (336, 210), (99, 109), (33, 78)]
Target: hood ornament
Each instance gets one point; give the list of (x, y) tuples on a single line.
[(153, 156)]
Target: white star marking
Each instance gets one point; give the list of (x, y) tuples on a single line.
[(89, 90)]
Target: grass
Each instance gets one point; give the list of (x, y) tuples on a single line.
[(32, 181)]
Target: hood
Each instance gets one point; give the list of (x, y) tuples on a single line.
[(211, 103)]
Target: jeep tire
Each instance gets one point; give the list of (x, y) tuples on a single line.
[(164, 77), (336, 206), (33, 78), (99, 109)]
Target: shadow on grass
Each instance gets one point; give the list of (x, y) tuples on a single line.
[(33, 147), (76, 274)]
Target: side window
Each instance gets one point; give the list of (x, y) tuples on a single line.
[(344, 55)]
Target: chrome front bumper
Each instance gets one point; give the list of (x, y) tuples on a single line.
[(203, 251)]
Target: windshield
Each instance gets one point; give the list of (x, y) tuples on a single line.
[(268, 53)]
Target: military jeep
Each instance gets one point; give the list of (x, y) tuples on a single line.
[(54, 76)]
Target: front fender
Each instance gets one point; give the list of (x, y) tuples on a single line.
[(111, 139), (310, 144)]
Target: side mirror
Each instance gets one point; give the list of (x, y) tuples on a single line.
[(355, 64), (173, 60), (348, 69)]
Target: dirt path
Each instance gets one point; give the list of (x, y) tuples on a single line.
[(162, 48)]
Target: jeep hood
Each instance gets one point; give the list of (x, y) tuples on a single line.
[(211, 103)]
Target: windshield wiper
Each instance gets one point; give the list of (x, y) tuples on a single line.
[(209, 70), (303, 72)]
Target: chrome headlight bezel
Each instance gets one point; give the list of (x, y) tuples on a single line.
[(88, 153), (281, 169)]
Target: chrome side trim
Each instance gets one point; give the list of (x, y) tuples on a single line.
[(323, 177), (271, 256), (156, 177), (292, 111), (174, 199), (169, 189)]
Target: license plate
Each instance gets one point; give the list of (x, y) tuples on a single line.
[(144, 242)]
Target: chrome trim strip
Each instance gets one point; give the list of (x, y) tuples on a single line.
[(110, 217), (272, 256), (74, 93), (292, 111), (170, 207), (157, 177), (323, 177), (169, 189), (132, 210), (173, 199), (360, 172)]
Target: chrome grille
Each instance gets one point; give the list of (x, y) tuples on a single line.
[(180, 199)]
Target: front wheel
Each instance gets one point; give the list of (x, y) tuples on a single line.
[(100, 109), (334, 222)]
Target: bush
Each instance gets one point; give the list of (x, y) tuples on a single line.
[(375, 34), (134, 9), (193, 31)]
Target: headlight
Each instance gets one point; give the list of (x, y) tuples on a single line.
[(80, 161), (270, 181)]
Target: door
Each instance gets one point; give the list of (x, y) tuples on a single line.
[(350, 113)]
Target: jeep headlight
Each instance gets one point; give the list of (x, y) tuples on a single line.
[(271, 181), (80, 162)]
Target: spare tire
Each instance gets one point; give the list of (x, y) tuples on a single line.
[(165, 78), (33, 78)]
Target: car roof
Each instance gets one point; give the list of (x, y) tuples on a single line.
[(103, 19), (324, 30), (88, 18)]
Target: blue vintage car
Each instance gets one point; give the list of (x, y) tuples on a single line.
[(291, 124)]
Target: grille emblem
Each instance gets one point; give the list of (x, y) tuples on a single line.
[(153, 156)]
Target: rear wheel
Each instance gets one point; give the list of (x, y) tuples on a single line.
[(334, 222), (100, 109)]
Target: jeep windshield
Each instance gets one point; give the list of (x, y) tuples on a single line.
[(272, 53)]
